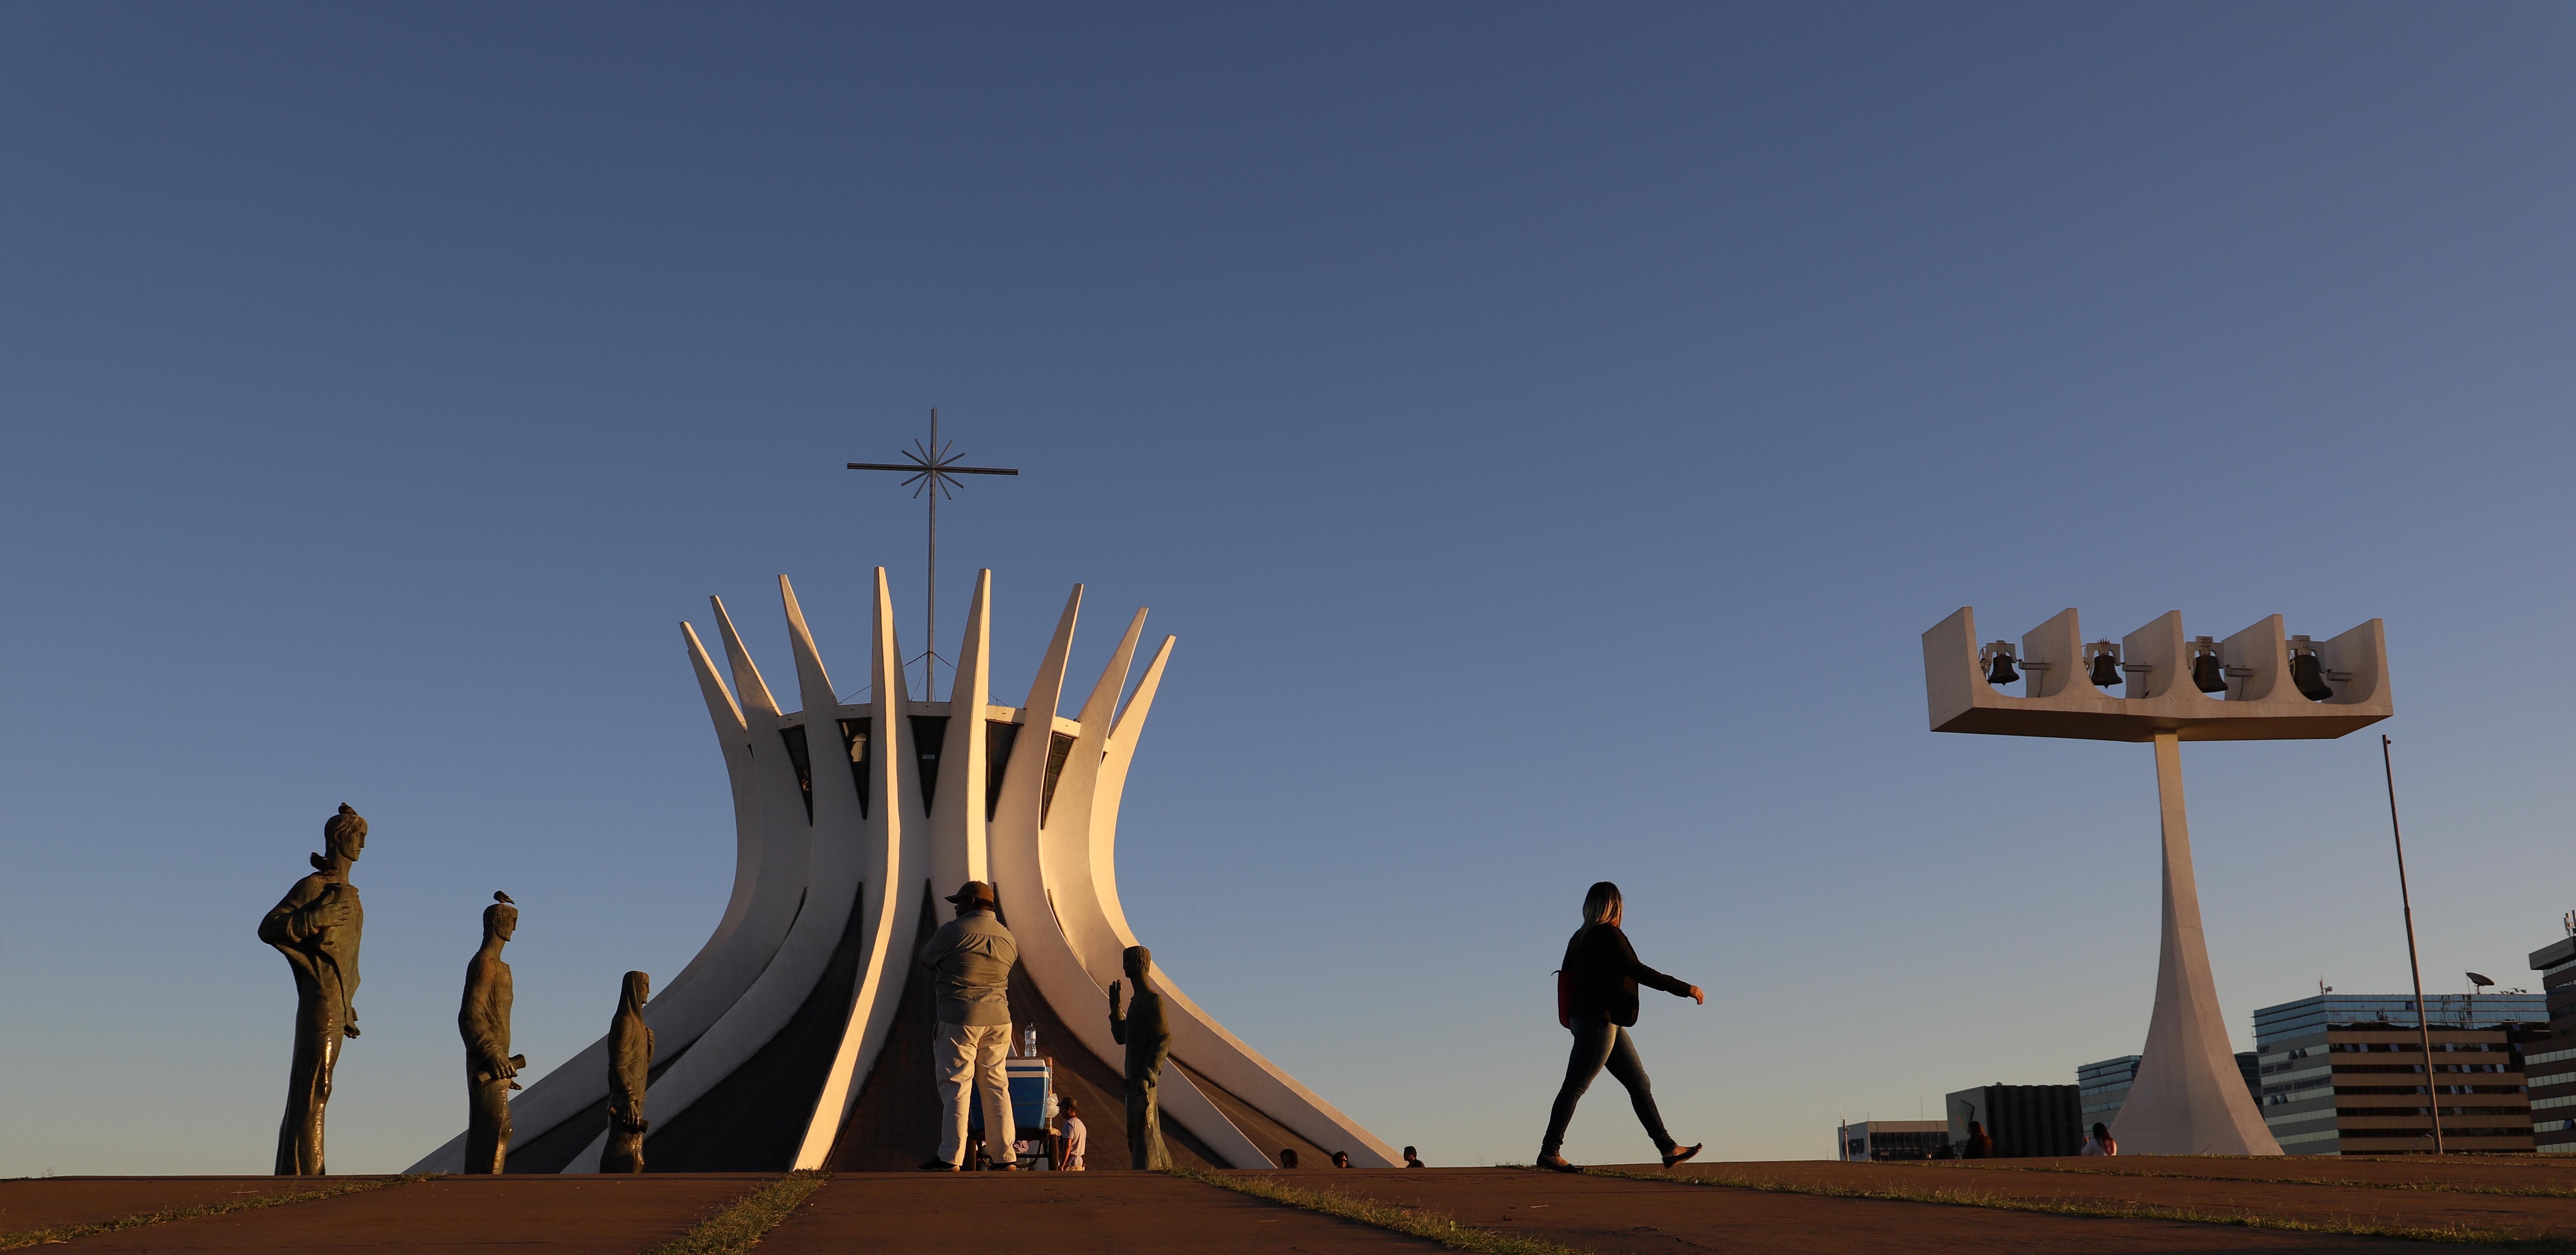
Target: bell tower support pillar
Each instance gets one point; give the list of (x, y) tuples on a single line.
[(2189, 1097)]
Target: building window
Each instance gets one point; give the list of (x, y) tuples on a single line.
[(929, 734), (2350, 1113), (999, 736), (854, 738), (804, 764), (1058, 749)]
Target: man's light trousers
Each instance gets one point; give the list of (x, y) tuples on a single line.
[(971, 1055)]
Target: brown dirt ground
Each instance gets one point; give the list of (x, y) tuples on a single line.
[(1619, 1217), (48, 1202), (1137, 1212), (577, 1215), (2520, 1172), (1132, 1213), (2253, 1188)]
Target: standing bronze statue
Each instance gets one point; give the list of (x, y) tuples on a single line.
[(484, 1022), (316, 926), (630, 1062), (1147, 1035)]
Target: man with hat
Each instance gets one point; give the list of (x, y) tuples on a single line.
[(972, 956)]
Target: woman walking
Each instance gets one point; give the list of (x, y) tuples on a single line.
[(1598, 1001)]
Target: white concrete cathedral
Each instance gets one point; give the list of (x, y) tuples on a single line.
[(799, 1037)]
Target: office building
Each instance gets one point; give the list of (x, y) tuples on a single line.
[(1883, 1140), (2291, 1019), (2105, 1085), (2024, 1120), (2347, 1074), (2551, 1061), (2102, 1087)]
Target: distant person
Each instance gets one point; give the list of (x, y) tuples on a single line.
[(2101, 1143), (1598, 1002), (1288, 1157), (972, 956), (1980, 1146), (1412, 1160), (1341, 1159), (1076, 1138)]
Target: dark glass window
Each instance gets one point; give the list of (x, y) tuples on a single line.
[(2425, 1133), (999, 737), (1057, 751), (2360, 1112), (854, 738), (929, 734), (804, 764)]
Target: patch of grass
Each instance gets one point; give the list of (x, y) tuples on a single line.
[(2458, 1234), (65, 1233), (1410, 1221), (739, 1225)]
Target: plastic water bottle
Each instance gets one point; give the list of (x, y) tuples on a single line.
[(1029, 1043)]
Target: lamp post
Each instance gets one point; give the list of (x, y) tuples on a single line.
[(2188, 1098), (2423, 1022)]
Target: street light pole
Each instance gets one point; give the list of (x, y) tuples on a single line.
[(2423, 1025)]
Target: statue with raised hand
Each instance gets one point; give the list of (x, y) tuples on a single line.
[(483, 1020), (317, 926), (1147, 1035), (630, 1062)]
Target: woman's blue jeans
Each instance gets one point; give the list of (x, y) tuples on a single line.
[(1601, 1044)]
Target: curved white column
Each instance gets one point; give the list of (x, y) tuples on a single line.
[(2189, 1098), (1081, 871), (769, 875), (1023, 826), (957, 847), (898, 858), (845, 846), (1197, 1037)]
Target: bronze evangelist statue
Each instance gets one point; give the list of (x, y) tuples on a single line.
[(484, 1022), (630, 1061), (316, 926), (1147, 1035)]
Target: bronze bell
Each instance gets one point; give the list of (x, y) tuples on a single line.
[(2208, 674), (2106, 670), (2309, 675), (2002, 672)]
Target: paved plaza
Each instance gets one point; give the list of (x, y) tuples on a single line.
[(2025, 1205)]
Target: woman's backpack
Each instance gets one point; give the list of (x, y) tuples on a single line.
[(1565, 983)]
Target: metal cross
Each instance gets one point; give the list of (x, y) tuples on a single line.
[(932, 468)]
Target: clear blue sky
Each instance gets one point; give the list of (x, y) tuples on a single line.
[(1547, 430)]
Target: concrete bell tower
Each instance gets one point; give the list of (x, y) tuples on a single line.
[(2258, 685)]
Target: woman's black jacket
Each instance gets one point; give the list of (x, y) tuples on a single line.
[(1605, 973)]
